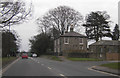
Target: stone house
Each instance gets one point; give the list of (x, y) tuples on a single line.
[(70, 42), (105, 49)]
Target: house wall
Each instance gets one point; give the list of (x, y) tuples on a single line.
[(104, 52), (73, 45), (112, 56), (57, 46), (103, 49)]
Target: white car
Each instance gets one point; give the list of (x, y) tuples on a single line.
[(34, 55)]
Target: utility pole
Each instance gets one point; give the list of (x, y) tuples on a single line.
[(9, 41)]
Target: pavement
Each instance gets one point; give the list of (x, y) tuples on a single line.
[(106, 69)]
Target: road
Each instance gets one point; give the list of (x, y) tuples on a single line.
[(46, 67)]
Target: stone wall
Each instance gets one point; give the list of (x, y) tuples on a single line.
[(73, 44), (112, 56)]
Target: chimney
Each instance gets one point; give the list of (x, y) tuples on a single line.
[(71, 28)]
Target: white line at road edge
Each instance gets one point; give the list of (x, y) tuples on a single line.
[(63, 75), (102, 71), (6, 68), (49, 68)]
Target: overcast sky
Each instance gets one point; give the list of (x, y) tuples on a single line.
[(29, 29)]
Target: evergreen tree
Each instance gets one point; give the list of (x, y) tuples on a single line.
[(97, 25), (115, 33)]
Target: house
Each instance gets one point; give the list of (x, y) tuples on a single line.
[(70, 42), (105, 49)]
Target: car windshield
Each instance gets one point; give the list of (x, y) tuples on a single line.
[(24, 54)]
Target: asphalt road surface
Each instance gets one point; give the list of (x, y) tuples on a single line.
[(46, 67)]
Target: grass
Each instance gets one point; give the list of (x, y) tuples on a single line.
[(55, 58), (6, 60), (112, 65), (51, 57), (83, 59)]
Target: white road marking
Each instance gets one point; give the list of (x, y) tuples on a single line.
[(103, 72), (42, 64), (49, 68), (62, 75), (38, 62), (34, 60)]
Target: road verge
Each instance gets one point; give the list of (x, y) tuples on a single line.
[(106, 69), (6, 61)]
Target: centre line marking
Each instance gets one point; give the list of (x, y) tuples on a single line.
[(42, 64), (49, 68)]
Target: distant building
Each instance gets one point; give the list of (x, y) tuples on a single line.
[(70, 42), (106, 49)]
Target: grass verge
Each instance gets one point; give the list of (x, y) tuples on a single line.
[(112, 65), (51, 57), (6, 60), (83, 59), (55, 58)]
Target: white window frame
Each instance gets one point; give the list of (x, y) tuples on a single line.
[(67, 40), (58, 50), (82, 47), (81, 39)]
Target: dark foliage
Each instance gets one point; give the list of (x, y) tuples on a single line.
[(97, 25), (41, 44), (116, 33), (10, 43)]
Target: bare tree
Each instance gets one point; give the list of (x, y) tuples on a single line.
[(13, 12), (60, 18)]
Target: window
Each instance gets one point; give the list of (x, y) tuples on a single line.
[(58, 49), (58, 41), (55, 43), (66, 40), (100, 55), (80, 40), (101, 49), (81, 47), (55, 49)]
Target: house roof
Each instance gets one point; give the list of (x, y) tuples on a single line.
[(73, 34), (107, 42)]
